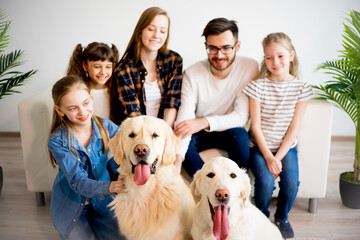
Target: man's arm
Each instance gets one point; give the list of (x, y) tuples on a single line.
[(236, 118), (186, 112), (239, 116)]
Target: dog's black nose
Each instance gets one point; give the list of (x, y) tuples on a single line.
[(222, 195), (141, 150)]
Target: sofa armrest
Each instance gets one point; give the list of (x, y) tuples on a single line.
[(314, 149), (35, 116)]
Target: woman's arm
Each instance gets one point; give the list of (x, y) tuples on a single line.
[(170, 116), (172, 77), (129, 89)]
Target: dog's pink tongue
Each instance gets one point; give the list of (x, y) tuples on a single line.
[(221, 223), (142, 174)]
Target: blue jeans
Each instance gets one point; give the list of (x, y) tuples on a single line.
[(92, 226), (235, 141), (265, 183)]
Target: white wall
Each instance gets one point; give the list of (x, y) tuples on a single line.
[(49, 30)]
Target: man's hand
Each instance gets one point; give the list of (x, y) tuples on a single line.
[(190, 126)]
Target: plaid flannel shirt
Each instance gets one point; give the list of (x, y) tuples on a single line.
[(129, 81)]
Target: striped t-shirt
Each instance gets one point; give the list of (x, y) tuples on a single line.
[(277, 106)]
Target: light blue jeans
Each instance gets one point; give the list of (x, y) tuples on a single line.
[(91, 226), (265, 183)]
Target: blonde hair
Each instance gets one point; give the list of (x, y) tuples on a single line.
[(135, 44), (59, 90), (282, 38)]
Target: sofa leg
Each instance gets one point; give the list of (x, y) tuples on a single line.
[(313, 205), (1, 179), (40, 199)]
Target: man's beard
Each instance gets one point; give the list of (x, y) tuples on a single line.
[(222, 69)]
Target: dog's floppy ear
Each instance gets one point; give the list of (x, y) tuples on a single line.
[(171, 148), (194, 186), (245, 188), (115, 145)]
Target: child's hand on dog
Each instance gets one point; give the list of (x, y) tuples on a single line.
[(118, 186)]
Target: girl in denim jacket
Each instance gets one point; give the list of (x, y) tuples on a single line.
[(78, 144)]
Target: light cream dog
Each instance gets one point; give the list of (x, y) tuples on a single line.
[(223, 210), (157, 203)]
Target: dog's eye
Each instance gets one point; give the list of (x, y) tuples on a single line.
[(233, 175), (211, 175), (132, 135), (154, 135)]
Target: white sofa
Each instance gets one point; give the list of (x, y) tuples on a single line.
[(313, 152), (35, 116)]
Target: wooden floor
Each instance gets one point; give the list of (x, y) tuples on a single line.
[(20, 218)]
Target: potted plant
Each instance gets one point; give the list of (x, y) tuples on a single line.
[(9, 78), (343, 90)]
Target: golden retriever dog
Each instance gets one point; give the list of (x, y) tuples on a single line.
[(221, 191), (157, 204)]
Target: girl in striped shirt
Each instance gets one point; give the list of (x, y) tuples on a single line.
[(277, 105)]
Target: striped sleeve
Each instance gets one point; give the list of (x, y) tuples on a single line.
[(306, 92), (253, 90)]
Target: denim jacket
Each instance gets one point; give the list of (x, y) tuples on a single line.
[(82, 175)]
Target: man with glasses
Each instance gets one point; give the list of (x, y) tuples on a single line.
[(214, 110)]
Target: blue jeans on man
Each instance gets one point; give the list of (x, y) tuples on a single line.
[(265, 183), (235, 141)]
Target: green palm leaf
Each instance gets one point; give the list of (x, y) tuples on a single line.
[(342, 71), (10, 61), (9, 77), (341, 100), (343, 90), (7, 84), (4, 25)]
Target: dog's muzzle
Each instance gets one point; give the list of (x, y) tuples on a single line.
[(152, 167), (212, 210)]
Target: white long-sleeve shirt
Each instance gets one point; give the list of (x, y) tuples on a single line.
[(221, 101)]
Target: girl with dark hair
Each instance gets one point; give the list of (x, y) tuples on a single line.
[(95, 64)]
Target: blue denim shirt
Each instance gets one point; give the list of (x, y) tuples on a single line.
[(75, 182)]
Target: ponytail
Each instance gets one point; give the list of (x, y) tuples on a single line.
[(76, 63)]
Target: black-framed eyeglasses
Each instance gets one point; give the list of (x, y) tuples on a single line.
[(212, 50)]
